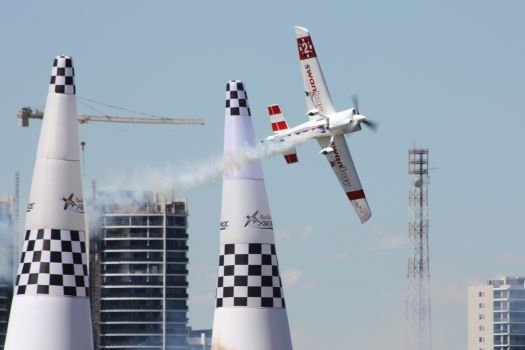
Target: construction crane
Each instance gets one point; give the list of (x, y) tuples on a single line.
[(27, 113)]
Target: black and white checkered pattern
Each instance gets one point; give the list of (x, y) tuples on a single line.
[(236, 99), (63, 76), (249, 277), (53, 262)]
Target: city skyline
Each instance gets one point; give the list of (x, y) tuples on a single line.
[(446, 76)]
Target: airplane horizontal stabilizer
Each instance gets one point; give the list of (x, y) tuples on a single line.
[(291, 157)]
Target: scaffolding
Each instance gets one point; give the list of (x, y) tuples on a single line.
[(418, 311)]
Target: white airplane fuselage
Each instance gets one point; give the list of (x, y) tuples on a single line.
[(338, 123)]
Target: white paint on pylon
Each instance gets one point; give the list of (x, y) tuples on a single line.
[(250, 309), (50, 309)]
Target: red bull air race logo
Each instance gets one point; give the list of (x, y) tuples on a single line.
[(260, 221), (73, 204)]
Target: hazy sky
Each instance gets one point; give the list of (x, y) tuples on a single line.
[(447, 75)]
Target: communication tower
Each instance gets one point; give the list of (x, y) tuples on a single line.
[(418, 311)]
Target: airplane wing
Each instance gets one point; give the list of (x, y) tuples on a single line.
[(318, 96), (341, 162)]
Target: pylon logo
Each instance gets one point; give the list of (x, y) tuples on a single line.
[(260, 221), (30, 206), (225, 225), (76, 204)]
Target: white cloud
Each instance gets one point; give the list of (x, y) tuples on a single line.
[(509, 257), (307, 231), (387, 242), (283, 233), (293, 232), (343, 256), (292, 276), (309, 285)]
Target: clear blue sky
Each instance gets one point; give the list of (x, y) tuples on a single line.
[(446, 74)]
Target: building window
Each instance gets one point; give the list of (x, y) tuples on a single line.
[(481, 339), (481, 316), (117, 220), (480, 294), (139, 220), (481, 328), (481, 305), (156, 220)]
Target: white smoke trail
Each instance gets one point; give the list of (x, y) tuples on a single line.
[(143, 184), (189, 176)]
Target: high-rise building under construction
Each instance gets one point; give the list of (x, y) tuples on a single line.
[(5, 303), (7, 241), (139, 274)]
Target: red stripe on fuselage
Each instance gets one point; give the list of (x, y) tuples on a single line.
[(359, 194)]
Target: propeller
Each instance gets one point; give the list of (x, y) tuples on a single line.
[(369, 123), (355, 102)]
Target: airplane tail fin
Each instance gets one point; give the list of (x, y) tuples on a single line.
[(277, 118), (279, 124)]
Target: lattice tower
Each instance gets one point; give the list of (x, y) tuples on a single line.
[(418, 311)]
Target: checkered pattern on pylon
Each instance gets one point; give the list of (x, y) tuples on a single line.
[(249, 277), (53, 262), (63, 76), (236, 99)]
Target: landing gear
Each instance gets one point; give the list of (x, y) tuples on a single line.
[(326, 150), (329, 149)]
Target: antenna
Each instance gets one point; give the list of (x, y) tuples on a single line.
[(419, 332)]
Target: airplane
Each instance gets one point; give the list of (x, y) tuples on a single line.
[(325, 124)]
